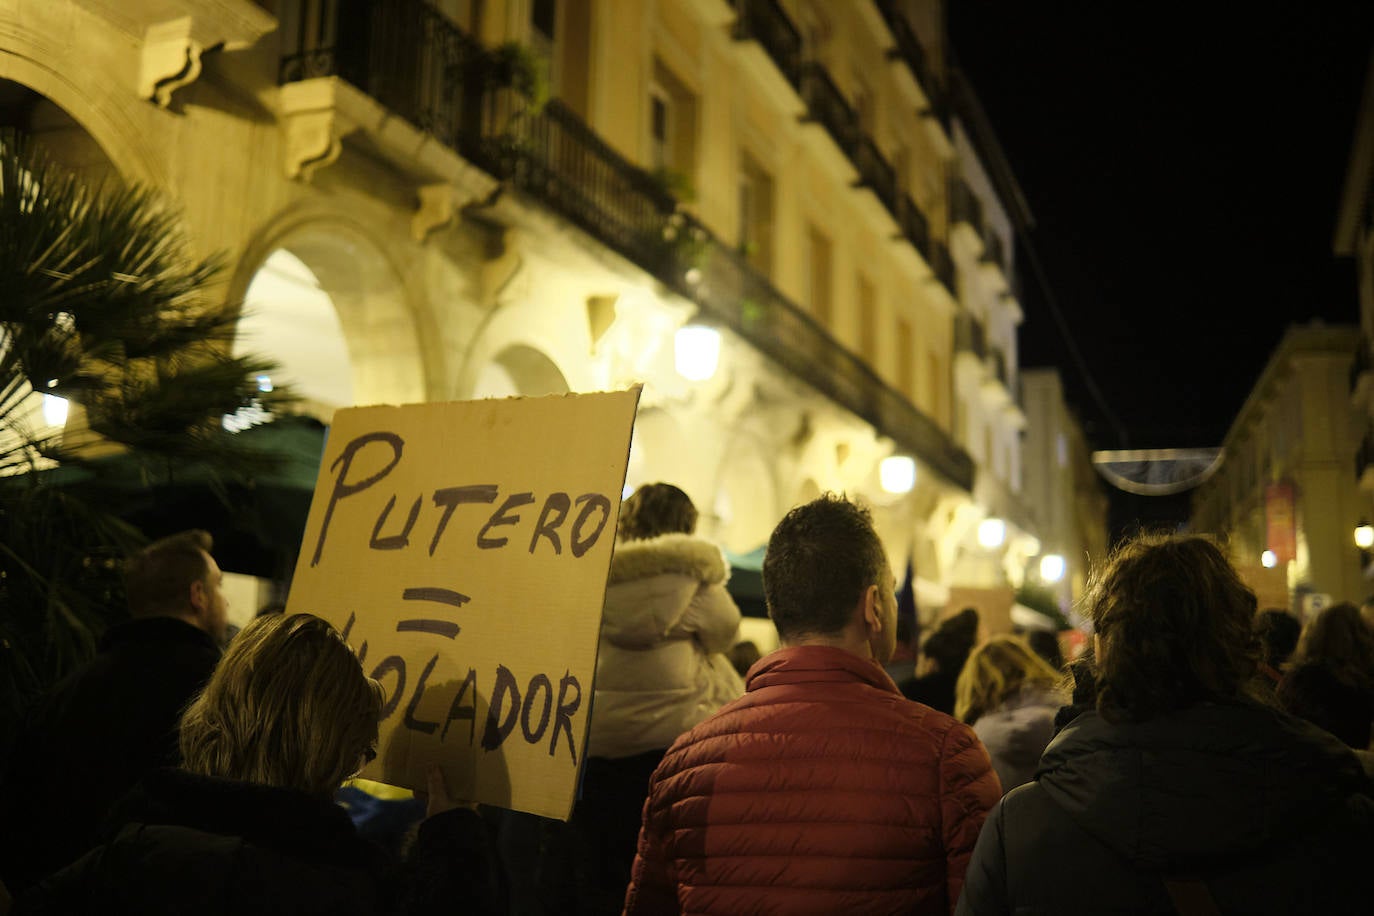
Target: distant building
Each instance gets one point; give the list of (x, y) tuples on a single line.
[(805, 185), (1066, 497), (1354, 238), (1284, 495)]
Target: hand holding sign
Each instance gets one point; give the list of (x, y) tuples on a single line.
[(467, 563)]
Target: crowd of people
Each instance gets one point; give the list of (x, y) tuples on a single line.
[(1197, 757)]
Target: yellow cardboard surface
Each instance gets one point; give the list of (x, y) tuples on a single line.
[(463, 549)]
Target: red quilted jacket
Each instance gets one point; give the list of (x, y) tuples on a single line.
[(821, 790)]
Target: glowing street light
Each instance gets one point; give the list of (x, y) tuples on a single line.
[(696, 352), (1051, 567), (897, 473), (54, 410), (1364, 535), (1269, 559), (992, 532)]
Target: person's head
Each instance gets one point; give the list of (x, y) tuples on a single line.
[(1277, 632), (1339, 638), (948, 645), (1367, 611), (656, 509), (1174, 626), (995, 672), (177, 577), (1045, 643), (1316, 692), (287, 706), (826, 575)]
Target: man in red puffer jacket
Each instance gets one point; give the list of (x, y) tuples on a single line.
[(821, 790)]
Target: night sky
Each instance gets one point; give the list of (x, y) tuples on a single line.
[(1184, 166)]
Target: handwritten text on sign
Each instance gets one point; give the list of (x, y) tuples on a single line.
[(463, 549)]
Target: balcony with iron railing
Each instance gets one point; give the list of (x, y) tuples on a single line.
[(877, 175), (969, 336), (909, 49), (553, 157), (915, 227), (1361, 372), (827, 106), (766, 22), (964, 206), (1364, 461)]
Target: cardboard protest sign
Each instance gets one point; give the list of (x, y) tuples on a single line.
[(463, 549)]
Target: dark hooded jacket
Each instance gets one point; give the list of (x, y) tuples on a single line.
[(184, 843), (1270, 813)]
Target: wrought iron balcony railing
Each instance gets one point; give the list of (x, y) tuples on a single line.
[(876, 174), (943, 265), (964, 205), (1364, 459), (915, 228), (993, 252), (827, 106), (1362, 362), (909, 49), (406, 55), (969, 336), (766, 22), (728, 288), (551, 155)]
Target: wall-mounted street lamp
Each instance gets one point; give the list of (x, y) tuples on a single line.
[(897, 473), (54, 410), (992, 532), (1364, 535), (1269, 559), (1051, 567), (696, 352)]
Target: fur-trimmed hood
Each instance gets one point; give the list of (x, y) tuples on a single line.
[(653, 582), (669, 554)]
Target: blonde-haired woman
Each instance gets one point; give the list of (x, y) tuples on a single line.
[(1009, 694), (248, 822)]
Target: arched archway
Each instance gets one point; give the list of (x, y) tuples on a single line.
[(324, 302), (522, 371)]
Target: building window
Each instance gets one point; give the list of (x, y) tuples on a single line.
[(819, 277), (906, 346), (756, 215), (868, 322), (672, 125), (935, 367), (660, 127)]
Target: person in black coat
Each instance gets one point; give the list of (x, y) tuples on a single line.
[(94, 734), (1178, 793), (942, 659), (248, 824)]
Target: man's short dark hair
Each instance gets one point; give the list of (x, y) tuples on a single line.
[(158, 579), (820, 559)]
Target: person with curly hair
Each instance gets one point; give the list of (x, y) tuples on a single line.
[(1331, 680), (1179, 792)]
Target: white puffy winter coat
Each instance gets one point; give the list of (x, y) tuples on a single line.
[(659, 669)]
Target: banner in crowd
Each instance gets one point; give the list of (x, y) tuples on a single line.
[(463, 549)]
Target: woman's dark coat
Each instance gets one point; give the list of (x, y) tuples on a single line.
[(1270, 813)]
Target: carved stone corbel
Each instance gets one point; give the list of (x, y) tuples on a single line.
[(312, 142), (170, 60), (435, 209)]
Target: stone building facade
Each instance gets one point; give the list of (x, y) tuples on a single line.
[(408, 215)]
